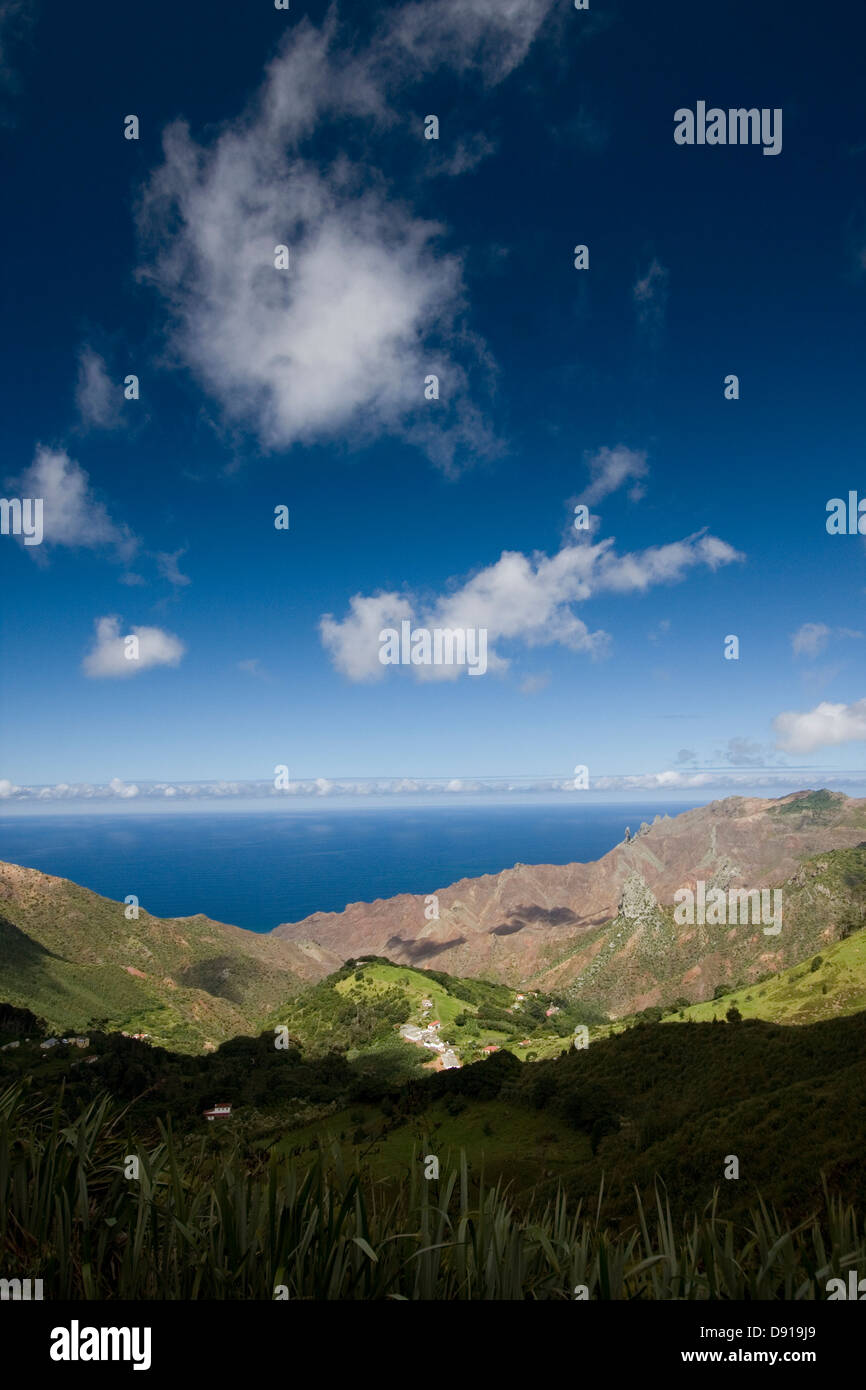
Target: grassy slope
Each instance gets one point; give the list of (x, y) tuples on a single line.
[(445, 1005), (827, 890), (381, 979), (501, 1138), (789, 1091), (790, 1103), (65, 954), (800, 995)]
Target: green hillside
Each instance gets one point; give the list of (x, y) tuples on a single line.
[(78, 961), (672, 1103), (823, 904), (827, 985), (360, 1008)]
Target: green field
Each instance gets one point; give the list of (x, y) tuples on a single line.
[(836, 987), (504, 1140)]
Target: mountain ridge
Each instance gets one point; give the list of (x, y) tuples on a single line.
[(601, 932), (526, 924)]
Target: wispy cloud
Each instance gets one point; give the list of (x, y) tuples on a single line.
[(253, 667), (467, 154), (167, 565), (811, 638), (531, 685), (610, 468), (650, 296), (97, 397), (745, 752)]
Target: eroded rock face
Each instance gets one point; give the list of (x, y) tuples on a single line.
[(637, 902), (552, 925)]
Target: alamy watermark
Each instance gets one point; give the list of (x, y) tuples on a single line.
[(736, 126), (846, 519), (77, 1343), (21, 1289), (718, 908), (22, 516), (438, 646)]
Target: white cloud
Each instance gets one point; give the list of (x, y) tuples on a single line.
[(521, 598), (661, 781), (811, 638), (340, 344), (822, 727), (97, 397), (108, 658), (771, 781), (354, 642), (122, 789), (7, 788), (72, 514), (610, 468)]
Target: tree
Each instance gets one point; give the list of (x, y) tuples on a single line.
[(733, 1015)]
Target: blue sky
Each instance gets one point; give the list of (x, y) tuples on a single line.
[(262, 387)]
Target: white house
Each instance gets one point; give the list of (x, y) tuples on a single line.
[(217, 1111)]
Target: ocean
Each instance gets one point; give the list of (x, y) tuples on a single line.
[(256, 869)]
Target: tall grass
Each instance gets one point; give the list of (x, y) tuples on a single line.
[(194, 1226)]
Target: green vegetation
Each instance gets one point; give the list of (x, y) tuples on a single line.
[(191, 983), (819, 806), (334, 1112), (650, 1101), (807, 993), (74, 958), (357, 1009), (348, 1010), (194, 1225)]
